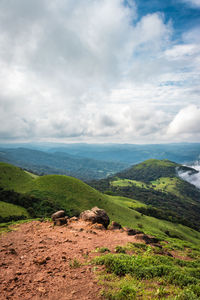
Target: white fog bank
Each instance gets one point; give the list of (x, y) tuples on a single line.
[(192, 178)]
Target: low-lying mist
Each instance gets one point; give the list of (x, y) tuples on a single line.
[(192, 178)]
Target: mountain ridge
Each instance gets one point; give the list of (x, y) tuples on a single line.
[(44, 163)]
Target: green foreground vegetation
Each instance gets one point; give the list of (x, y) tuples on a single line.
[(138, 271)]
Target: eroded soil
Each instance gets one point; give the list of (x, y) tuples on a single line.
[(37, 260)]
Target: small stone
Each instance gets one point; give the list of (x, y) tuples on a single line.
[(18, 273), (41, 260), (41, 290), (12, 251)]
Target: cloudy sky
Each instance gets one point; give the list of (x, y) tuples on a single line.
[(100, 71)]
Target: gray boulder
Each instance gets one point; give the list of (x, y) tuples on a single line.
[(58, 214), (96, 215)]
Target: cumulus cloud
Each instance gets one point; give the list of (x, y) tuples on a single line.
[(192, 178), (187, 121), (90, 70)]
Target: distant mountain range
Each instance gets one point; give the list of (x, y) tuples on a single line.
[(42, 163), (92, 161), (183, 153)]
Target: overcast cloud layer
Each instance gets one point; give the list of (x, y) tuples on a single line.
[(96, 71)]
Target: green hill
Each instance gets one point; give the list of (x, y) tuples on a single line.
[(156, 183), (10, 212), (153, 169)]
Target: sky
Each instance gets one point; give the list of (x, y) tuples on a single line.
[(99, 71)]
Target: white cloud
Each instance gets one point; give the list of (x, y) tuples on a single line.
[(192, 178), (187, 121)]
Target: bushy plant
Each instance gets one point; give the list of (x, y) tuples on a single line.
[(148, 267), (102, 250), (120, 249)]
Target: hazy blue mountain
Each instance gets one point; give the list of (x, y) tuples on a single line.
[(131, 154), (42, 162)]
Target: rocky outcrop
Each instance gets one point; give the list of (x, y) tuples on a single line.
[(96, 215)]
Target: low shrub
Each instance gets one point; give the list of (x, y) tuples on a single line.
[(120, 249), (148, 267)]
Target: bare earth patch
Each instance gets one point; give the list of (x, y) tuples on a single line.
[(38, 261)]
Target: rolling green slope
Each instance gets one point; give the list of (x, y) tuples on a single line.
[(153, 169), (9, 212), (156, 183), (14, 178)]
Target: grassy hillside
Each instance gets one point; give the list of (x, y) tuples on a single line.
[(12, 177), (10, 212), (156, 183), (152, 169)]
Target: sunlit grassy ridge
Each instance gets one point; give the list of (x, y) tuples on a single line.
[(149, 170), (10, 211), (12, 177), (128, 182), (164, 184)]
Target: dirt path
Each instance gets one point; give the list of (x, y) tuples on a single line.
[(35, 260)]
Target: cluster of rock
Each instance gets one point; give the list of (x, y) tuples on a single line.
[(100, 220), (95, 215)]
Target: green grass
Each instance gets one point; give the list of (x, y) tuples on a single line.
[(10, 212), (156, 162), (14, 178), (129, 182), (167, 184), (13, 210), (31, 174), (163, 184), (127, 202), (148, 276)]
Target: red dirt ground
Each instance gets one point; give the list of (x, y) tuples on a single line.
[(35, 260)]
